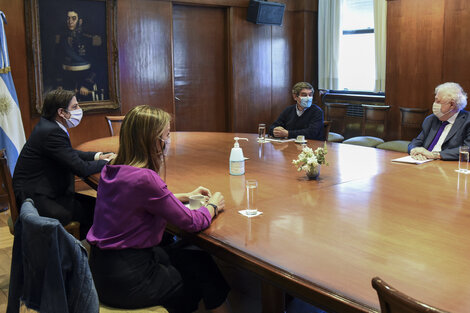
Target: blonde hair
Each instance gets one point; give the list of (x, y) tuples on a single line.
[(140, 137)]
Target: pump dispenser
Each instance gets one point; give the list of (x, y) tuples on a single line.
[(237, 160)]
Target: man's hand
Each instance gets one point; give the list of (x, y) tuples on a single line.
[(280, 132), (417, 150), (421, 154), (84, 91), (96, 41), (107, 156)]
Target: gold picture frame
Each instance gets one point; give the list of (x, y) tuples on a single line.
[(72, 44)]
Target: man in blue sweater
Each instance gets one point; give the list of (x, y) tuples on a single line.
[(302, 118)]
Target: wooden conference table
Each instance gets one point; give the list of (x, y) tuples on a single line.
[(324, 240)]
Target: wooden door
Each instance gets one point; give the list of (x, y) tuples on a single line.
[(200, 63)]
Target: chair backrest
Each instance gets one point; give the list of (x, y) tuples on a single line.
[(57, 277), (318, 97), (114, 123), (374, 121), (326, 129), (336, 114), (411, 121), (394, 301), (7, 185)]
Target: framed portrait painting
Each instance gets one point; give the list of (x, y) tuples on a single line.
[(72, 45)]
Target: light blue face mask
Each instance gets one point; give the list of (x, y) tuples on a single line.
[(306, 102)]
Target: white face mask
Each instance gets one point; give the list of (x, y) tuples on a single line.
[(306, 102), (75, 118), (166, 145), (436, 109)]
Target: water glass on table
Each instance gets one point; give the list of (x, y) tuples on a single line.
[(251, 191), (463, 159), (261, 132)]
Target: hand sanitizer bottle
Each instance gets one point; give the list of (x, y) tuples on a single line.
[(237, 160)]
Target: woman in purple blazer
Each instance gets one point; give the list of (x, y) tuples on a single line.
[(130, 265)]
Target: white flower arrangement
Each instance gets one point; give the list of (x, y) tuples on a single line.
[(309, 160)]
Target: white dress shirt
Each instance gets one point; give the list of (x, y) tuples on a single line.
[(451, 120)]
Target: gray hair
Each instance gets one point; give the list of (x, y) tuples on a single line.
[(453, 92), (299, 86)]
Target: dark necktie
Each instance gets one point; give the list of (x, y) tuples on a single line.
[(438, 135)]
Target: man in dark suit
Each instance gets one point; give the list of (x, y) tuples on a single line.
[(47, 164), (446, 129), (301, 118)]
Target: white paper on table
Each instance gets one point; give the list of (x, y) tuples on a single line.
[(279, 140), (243, 212), (410, 160)]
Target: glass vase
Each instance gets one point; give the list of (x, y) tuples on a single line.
[(314, 172)]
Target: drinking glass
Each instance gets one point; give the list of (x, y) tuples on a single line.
[(261, 132), (463, 159), (251, 190)]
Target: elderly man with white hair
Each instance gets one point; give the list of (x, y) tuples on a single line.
[(446, 129)]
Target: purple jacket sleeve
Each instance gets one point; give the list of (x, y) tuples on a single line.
[(162, 202)]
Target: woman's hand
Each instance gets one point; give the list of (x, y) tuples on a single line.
[(200, 191), (218, 200), (184, 197)]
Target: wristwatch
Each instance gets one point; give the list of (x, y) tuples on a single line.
[(216, 209)]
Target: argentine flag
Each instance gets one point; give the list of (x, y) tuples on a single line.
[(11, 127)]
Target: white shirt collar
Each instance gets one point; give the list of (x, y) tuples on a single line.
[(452, 119), (299, 113)]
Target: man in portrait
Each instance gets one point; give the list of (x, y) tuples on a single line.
[(75, 63)]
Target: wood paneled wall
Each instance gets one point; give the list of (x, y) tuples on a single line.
[(264, 61), (427, 44), (199, 65), (145, 54)]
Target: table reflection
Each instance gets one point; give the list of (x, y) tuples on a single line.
[(237, 191), (462, 182)]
